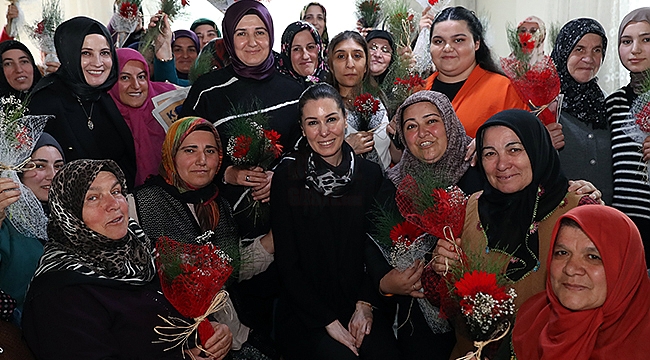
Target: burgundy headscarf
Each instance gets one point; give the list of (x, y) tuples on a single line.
[(232, 17), (148, 135), (620, 328)]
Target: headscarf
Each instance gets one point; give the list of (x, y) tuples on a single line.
[(68, 39), (452, 165), (325, 37), (207, 210), (48, 140), (382, 34), (75, 247), (187, 34), (620, 328), (640, 14), (5, 88), (509, 220), (148, 135), (232, 17), (539, 37), (204, 21), (284, 64), (585, 101)]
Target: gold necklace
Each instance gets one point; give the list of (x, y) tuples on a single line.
[(91, 125)]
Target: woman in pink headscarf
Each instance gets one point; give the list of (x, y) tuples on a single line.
[(132, 94)]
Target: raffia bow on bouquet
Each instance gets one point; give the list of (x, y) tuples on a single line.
[(42, 32), (18, 136), (637, 125), (192, 276), (538, 84), (125, 19)]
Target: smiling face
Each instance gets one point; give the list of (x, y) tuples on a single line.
[(348, 64), (585, 58), (453, 50), (48, 161), (304, 53), (197, 159), (105, 209), (96, 59), (133, 84), (205, 33), (314, 15), (424, 131), (185, 52), (252, 44), (505, 161), (380, 55), (634, 48), (323, 125), (18, 69), (577, 272)]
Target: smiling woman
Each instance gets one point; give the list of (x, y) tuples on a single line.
[(132, 94), (19, 71), (86, 121)]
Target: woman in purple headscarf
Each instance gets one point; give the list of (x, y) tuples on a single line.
[(132, 94)]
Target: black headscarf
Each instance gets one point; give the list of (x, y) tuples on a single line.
[(510, 220), (283, 63), (5, 88), (68, 39), (383, 34), (75, 247), (585, 101)]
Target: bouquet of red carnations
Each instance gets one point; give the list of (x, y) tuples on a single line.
[(192, 276), (537, 84), (42, 32), (368, 13), (170, 7), (637, 125), (365, 106), (125, 19)]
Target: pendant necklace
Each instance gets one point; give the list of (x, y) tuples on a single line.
[(89, 116)]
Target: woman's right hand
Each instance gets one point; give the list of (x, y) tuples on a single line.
[(254, 177), (557, 136), (405, 282), (163, 42), (217, 346), (12, 13), (361, 142), (9, 194), (445, 255), (426, 20), (342, 335)]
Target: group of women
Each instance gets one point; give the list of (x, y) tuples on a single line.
[(338, 297)]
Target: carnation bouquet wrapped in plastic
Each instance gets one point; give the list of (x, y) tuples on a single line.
[(42, 32), (125, 19), (18, 136), (192, 276), (637, 125), (368, 13), (421, 52), (365, 107)]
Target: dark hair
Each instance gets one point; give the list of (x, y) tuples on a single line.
[(568, 222), (341, 37), (483, 54), (320, 91)]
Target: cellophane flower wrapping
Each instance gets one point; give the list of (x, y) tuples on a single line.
[(536, 84), (368, 12), (42, 32), (18, 136), (365, 106), (191, 275), (421, 50), (125, 19), (252, 144), (637, 124)]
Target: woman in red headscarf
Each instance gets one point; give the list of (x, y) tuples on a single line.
[(597, 299)]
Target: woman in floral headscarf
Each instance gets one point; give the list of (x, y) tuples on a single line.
[(301, 54)]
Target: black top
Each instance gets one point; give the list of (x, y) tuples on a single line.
[(71, 316), (110, 137), (319, 244), (449, 89)]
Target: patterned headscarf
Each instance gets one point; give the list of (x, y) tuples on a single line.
[(207, 210), (452, 165), (284, 64), (640, 14), (325, 37), (232, 17), (75, 247), (584, 101), (619, 329)]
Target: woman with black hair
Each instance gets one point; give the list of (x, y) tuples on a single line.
[(466, 72)]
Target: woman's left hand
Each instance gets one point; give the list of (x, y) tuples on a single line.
[(361, 322), (585, 187), (51, 66), (217, 346), (646, 149), (262, 192)]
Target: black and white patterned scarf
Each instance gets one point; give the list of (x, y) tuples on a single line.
[(585, 101), (327, 179), (75, 247)]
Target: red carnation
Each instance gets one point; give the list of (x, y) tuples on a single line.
[(274, 138), (412, 82), (366, 104), (433, 2), (527, 42), (40, 27), (185, 2), (405, 233), (643, 118), (242, 146), (480, 282)]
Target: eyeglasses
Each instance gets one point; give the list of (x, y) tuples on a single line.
[(384, 49)]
